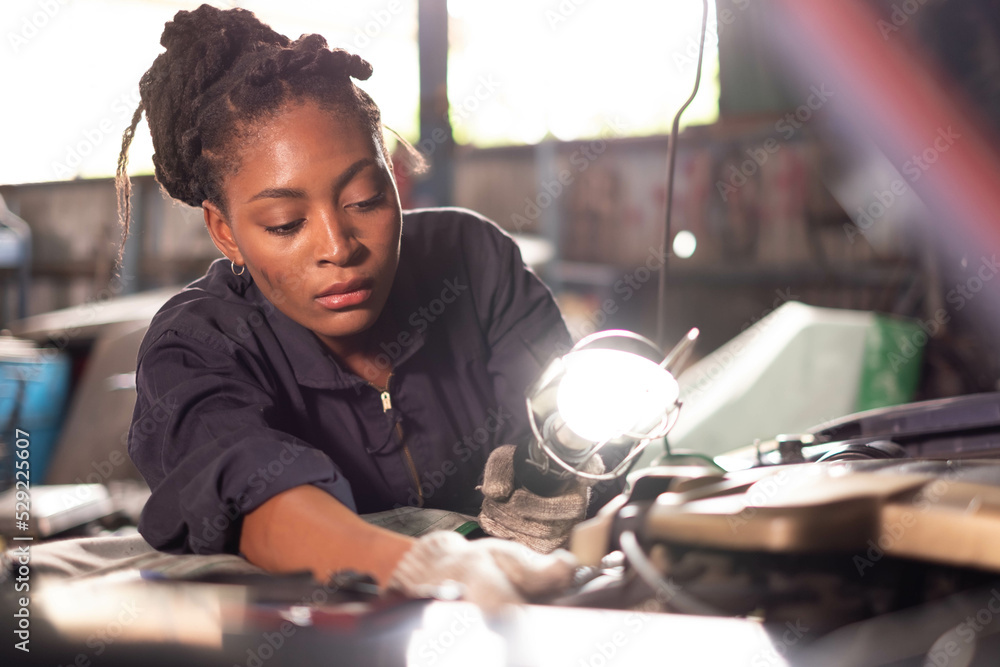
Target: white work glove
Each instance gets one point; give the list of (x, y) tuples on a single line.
[(543, 524), (492, 573)]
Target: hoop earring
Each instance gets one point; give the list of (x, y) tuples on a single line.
[(232, 267)]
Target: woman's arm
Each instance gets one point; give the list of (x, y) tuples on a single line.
[(307, 528)]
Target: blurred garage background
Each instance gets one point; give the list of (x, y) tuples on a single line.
[(551, 117)]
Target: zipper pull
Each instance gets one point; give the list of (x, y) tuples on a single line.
[(386, 402)]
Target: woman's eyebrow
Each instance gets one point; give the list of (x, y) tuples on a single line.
[(278, 193), (353, 171), (295, 193)]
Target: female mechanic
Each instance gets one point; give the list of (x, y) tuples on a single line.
[(345, 357)]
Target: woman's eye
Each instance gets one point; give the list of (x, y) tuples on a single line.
[(287, 228), (369, 203)]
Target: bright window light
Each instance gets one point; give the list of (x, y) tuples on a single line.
[(71, 73), (522, 70), (519, 71)]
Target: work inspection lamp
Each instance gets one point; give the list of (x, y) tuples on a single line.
[(613, 390)]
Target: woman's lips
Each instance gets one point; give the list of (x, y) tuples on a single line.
[(346, 295), (345, 300)]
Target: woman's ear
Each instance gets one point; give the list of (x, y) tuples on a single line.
[(221, 232)]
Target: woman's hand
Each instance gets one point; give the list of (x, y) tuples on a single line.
[(491, 572)]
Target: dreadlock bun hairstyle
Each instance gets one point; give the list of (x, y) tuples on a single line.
[(223, 72)]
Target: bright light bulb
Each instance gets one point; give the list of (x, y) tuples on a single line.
[(606, 393), (685, 244)]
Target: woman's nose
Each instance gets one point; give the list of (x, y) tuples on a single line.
[(335, 242)]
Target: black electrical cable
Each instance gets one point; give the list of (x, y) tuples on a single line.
[(671, 160), (670, 594)]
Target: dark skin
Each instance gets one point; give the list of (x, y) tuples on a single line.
[(313, 214)]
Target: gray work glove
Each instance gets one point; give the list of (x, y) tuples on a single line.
[(492, 573), (543, 524)]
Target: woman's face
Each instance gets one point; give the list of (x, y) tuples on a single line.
[(314, 215)]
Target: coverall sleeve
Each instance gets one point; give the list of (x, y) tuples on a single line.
[(204, 437), (522, 324)]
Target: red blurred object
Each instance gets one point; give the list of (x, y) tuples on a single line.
[(892, 94)]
